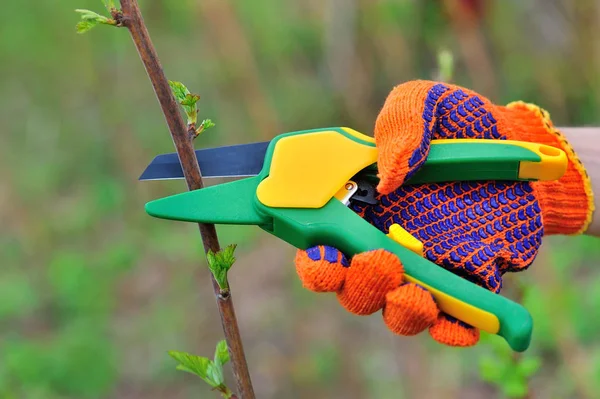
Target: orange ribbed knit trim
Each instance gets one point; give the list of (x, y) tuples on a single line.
[(567, 204)]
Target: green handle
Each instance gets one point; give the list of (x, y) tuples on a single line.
[(473, 160), (466, 160), (338, 226)]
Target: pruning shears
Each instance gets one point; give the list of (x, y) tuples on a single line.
[(298, 186)]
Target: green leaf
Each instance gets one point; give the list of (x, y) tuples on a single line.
[(197, 365), (190, 100), (207, 124), (220, 275), (192, 116), (215, 374), (89, 19), (187, 100), (183, 368), (179, 90), (221, 353), (211, 372), (85, 26), (109, 5), (90, 15), (211, 258), (228, 253), (189, 105), (219, 264)]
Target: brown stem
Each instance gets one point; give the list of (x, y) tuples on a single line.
[(132, 19), (191, 130)]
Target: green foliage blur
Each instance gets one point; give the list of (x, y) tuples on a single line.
[(94, 293)]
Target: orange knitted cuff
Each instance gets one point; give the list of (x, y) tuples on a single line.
[(567, 204)]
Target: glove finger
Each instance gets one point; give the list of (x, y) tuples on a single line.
[(403, 131), (321, 268), (409, 309), (416, 112), (368, 279), (452, 332)]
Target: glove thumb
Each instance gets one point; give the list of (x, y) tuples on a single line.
[(403, 131)]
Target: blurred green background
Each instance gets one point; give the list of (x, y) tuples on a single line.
[(93, 292)]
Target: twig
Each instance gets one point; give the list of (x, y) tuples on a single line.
[(132, 19)]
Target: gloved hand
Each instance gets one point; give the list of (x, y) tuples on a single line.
[(477, 230)]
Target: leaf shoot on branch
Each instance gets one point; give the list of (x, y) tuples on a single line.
[(219, 264), (189, 102), (210, 371)]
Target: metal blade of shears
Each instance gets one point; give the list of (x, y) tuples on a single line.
[(241, 160)]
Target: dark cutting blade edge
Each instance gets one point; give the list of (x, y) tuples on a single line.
[(230, 161)]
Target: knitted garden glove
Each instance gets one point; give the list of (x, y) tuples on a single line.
[(418, 111), (478, 230)]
